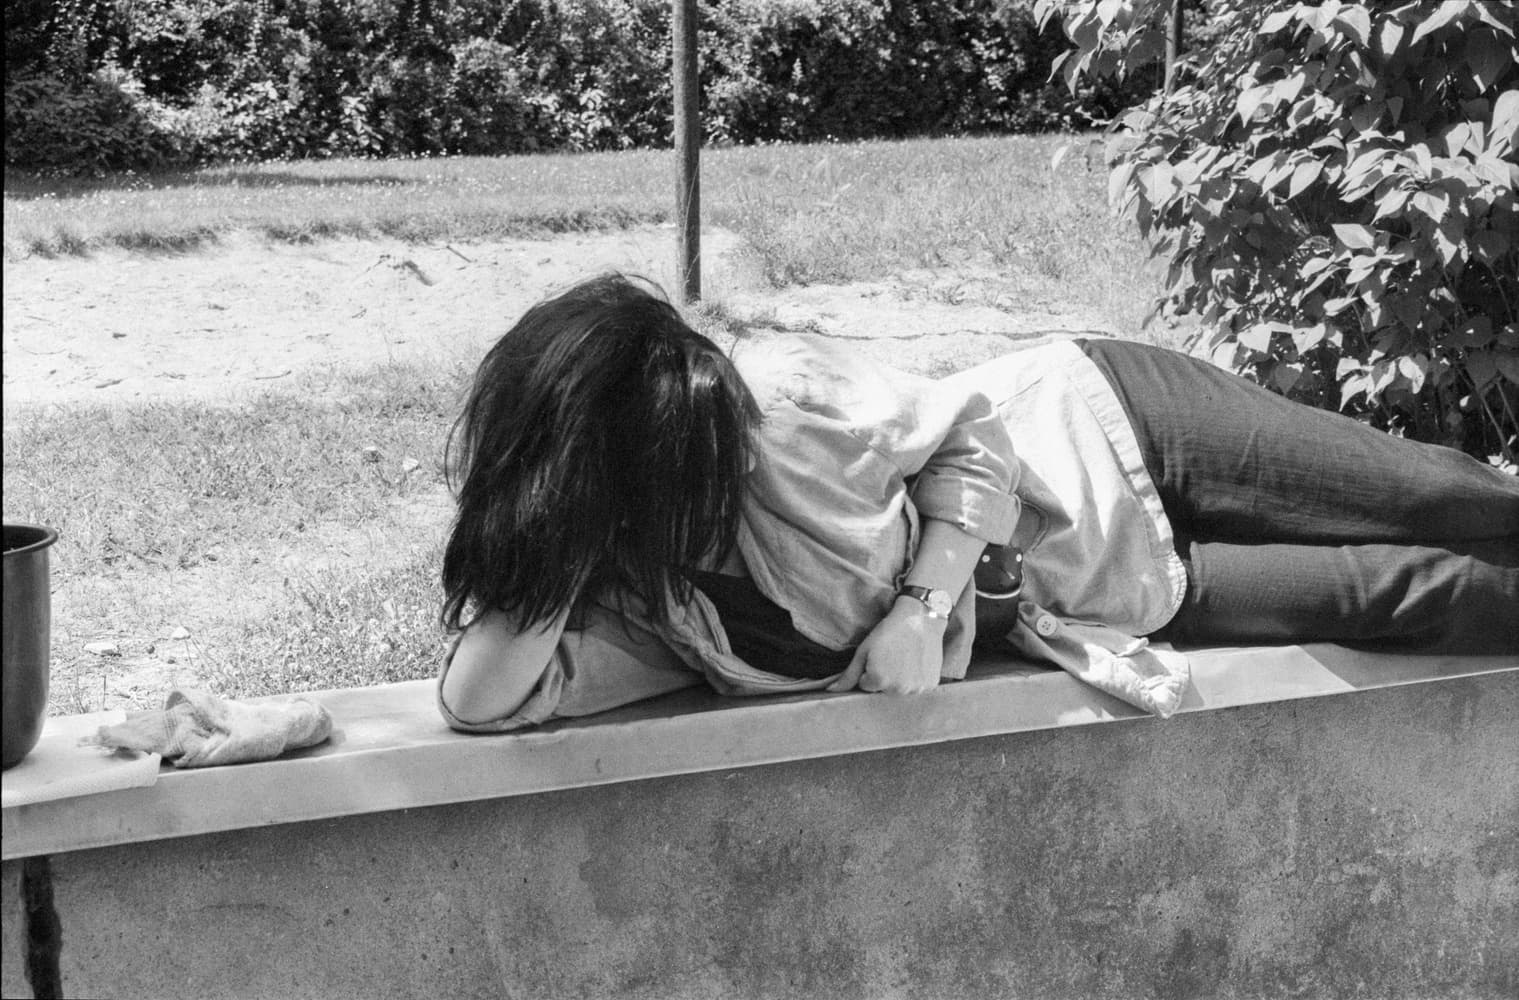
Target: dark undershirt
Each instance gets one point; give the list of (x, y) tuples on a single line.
[(762, 634)]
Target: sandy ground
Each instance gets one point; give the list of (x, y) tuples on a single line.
[(232, 320), (120, 327)]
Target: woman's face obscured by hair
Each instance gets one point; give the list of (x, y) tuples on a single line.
[(603, 448)]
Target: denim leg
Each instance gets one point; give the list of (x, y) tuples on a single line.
[(1457, 598), (1235, 462), (1301, 525)]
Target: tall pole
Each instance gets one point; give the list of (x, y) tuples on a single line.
[(687, 149), (1173, 42)]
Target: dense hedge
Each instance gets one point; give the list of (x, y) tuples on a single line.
[(110, 84)]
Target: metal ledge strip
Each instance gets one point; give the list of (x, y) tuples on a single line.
[(391, 750)]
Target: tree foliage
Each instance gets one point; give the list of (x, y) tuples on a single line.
[(1334, 187), (255, 79)]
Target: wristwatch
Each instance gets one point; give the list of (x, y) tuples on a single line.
[(938, 602)]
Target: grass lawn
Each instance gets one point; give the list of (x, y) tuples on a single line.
[(165, 506), (814, 213)]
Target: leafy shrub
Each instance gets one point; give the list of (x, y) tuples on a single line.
[(174, 48), (808, 70), (404, 98), (92, 126), (1334, 187), (488, 108), (791, 71), (252, 121), (598, 74), (28, 35), (258, 79)]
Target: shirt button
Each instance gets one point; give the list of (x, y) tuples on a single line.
[(1046, 625)]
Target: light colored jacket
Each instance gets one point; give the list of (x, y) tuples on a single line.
[(1032, 447)]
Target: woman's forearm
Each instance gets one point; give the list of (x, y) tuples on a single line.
[(946, 557), (497, 665)]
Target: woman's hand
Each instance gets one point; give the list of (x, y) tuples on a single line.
[(903, 654)]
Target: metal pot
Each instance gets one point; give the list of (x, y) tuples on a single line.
[(26, 637)]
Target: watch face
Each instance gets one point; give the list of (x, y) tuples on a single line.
[(940, 604)]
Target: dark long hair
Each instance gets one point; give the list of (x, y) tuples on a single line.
[(604, 444)]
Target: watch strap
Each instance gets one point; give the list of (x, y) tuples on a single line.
[(937, 602)]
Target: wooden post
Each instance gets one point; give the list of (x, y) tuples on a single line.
[(687, 148), (1173, 42)]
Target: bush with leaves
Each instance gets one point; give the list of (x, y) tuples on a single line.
[(805, 70), (405, 97), (29, 28), (488, 110), (262, 79), (1334, 185), (92, 126), (174, 48)]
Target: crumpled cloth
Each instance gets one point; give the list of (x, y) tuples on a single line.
[(198, 729), (1127, 667)]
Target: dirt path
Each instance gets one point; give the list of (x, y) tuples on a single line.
[(119, 327)]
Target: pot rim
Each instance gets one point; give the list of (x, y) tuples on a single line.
[(47, 537)]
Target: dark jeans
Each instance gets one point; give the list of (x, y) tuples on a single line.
[(1299, 525)]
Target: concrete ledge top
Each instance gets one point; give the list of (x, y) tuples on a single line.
[(390, 749)]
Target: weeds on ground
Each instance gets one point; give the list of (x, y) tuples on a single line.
[(343, 627), (458, 199), (809, 213), (164, 484), (216, 522), (836, 214)]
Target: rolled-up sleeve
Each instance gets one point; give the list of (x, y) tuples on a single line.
[(949, 440), (942, 436), (969, 477), (538, 708)]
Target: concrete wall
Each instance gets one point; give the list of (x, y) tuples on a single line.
[(1363, 845)]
